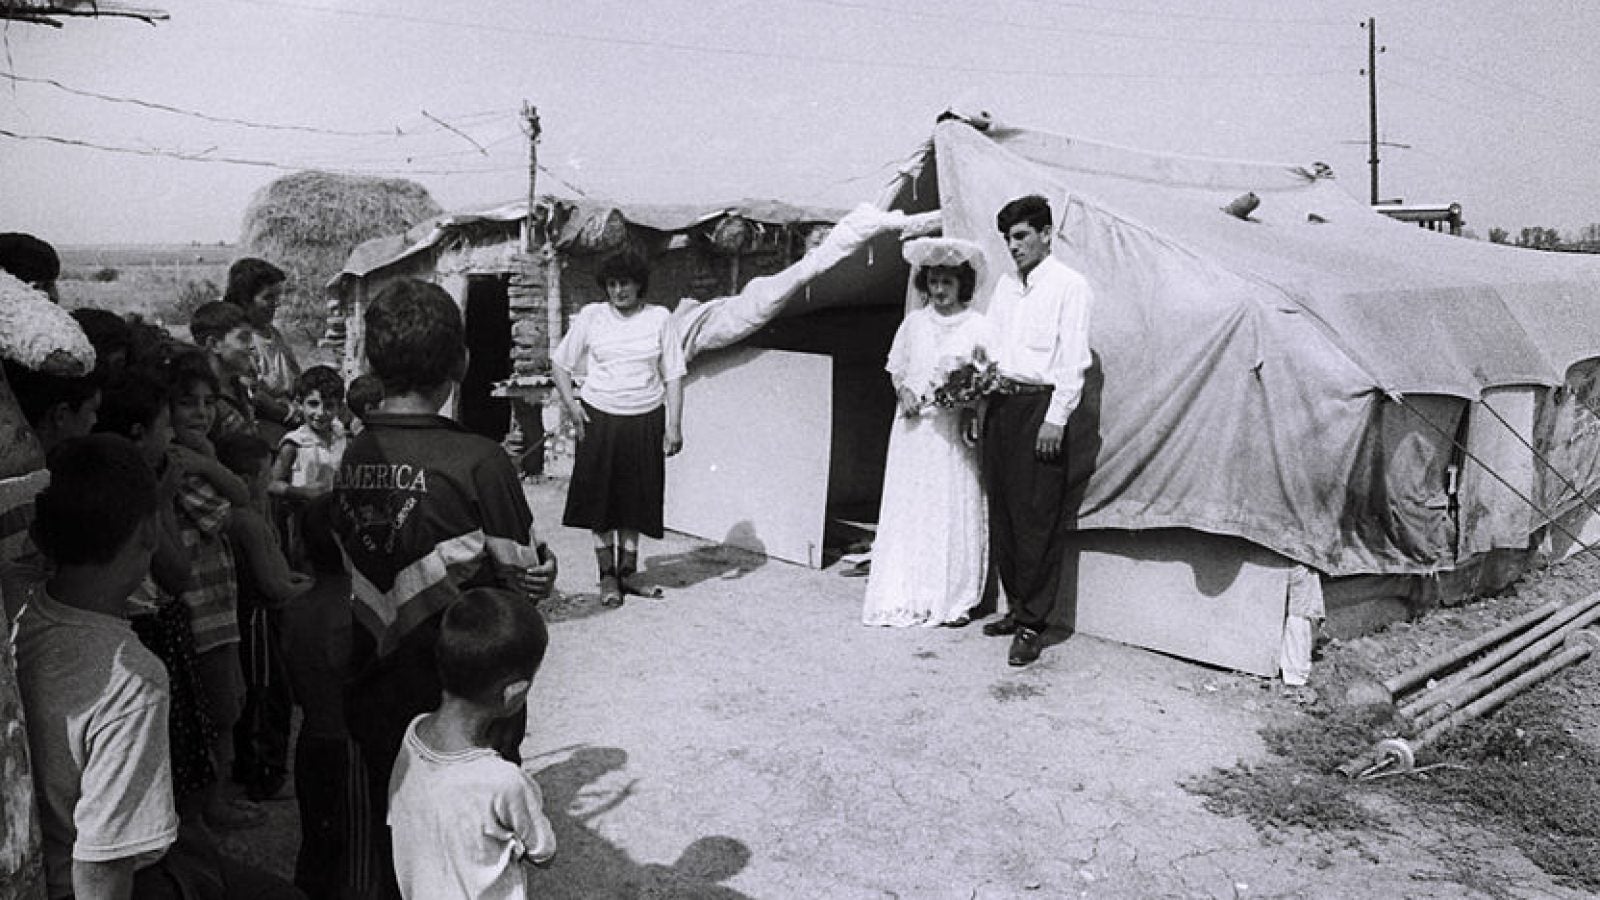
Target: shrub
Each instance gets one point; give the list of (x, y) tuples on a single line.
[(105, 274)]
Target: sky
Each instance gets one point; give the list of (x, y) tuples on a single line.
[(809, 101)]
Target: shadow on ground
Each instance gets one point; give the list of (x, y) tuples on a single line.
[(589, 866)]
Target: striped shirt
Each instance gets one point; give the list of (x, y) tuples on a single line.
[(213, 592), (424, 509)]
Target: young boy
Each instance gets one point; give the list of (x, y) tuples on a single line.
[(266, 584), (423, 510), (464, 820), (309, 455), (223, 332), (95, 699), (363, 396)]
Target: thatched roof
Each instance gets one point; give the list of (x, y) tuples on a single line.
[(48, 12), (309, 222)]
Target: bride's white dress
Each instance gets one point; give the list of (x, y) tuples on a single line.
[(931, 551)]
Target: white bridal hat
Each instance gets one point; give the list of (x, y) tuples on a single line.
[(942, 251)]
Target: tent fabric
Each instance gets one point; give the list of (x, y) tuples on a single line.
[(1298, 378)]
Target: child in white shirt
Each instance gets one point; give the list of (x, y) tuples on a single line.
[(465, 822)]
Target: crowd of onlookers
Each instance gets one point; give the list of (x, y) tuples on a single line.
[(227, 536)]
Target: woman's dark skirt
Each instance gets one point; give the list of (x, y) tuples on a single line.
[(619, 473)]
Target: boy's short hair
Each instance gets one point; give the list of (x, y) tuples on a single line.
[(1032, 209), (39, 392), (242, 454), (213, 321), (100, 492), (136, 398), (321, 380), (29, 258), (364, 393), (415, 338), (627, 265), (188, 367), (488, 639), (247, 277)]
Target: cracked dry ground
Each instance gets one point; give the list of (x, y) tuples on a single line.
[(747, 737)]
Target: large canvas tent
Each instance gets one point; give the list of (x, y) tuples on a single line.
[(1310, 385)]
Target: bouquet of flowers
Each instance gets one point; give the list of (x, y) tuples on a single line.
[(965, 379)]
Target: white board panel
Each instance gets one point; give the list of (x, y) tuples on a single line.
[(753, 474), (1212, 599)]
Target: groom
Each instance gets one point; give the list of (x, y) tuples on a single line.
[(1041, 323)]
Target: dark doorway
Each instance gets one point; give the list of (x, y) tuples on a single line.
[(488, 333)]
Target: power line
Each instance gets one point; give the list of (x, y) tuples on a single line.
[(394, 132), (1452, 69), (206, 157), (1038, 27), (641, 43)]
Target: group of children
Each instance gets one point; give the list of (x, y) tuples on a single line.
[(208, 567)]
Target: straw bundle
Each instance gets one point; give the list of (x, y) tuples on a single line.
[(307, 223)]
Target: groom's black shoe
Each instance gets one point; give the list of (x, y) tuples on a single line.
[(1001, 627), (1025, 647)]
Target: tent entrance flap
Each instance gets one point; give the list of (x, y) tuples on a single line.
[(753, 474)]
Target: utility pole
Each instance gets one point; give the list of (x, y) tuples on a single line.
[(1372, 103), (530, 120)]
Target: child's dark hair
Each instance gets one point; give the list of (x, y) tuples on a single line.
[(188, 367), (321, 380), (415, 339), (966, 279), (488, 639), (107, 332), (100, 492), (247, 277), (39, 392), (322, 550), (134, 399), (624, 265), (243, 454), (29, 258), (213, 321), (1032, 209), (365, 392)]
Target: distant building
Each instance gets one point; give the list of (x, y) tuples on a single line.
[(1434, 217)]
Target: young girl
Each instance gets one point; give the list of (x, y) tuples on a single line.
[(930, 555), (628, 421)]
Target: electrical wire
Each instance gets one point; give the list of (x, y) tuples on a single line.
[(702, 49), (1038, 27), (205, 157), (395, 131)]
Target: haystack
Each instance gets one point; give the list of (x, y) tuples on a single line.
[(307, 223)]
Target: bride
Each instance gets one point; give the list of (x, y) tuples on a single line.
[(930, 555)]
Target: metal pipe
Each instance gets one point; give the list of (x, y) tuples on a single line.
[(1417, 674), (1504, 652), (1450, 700)]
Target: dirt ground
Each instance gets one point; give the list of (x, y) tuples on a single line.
[(747, 737)]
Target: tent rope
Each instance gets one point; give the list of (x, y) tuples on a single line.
[(1576, 491), (1549, 519)]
